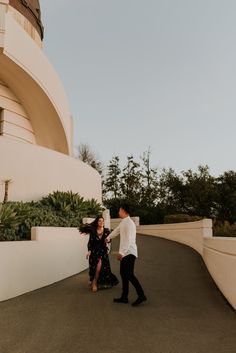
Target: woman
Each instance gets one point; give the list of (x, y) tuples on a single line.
[(99, 266)]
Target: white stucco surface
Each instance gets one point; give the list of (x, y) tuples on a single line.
[(52, 255), (28, 74), (36, 171), (219, 254)]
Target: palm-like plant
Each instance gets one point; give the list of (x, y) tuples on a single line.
[(8, 217), (58, 209), (64, 202)]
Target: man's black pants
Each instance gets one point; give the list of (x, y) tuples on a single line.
[(127, 275)]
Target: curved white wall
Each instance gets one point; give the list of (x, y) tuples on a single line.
[(219, 254), (189, 233), (26, 25), (52, 255), (27, 72), (36, 171), (116, 221)]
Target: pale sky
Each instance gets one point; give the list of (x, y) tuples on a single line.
[(149, 73)]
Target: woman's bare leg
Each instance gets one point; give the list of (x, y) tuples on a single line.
[(98, 269)]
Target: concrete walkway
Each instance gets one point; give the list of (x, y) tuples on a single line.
[(185, 313)]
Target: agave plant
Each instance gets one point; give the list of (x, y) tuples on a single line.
[(8, 217), (93, 208), (62, 201), (68, 201), (9, 222), (59, 209)]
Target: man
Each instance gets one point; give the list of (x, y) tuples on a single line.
[(127, 256)]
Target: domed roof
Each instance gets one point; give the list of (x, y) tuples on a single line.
[(31, 10)]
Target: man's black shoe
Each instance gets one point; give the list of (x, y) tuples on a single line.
[(139, 300), (121, 300)]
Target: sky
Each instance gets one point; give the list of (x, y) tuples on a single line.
[(153, 73)]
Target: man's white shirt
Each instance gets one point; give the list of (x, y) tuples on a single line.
[(127, 231)]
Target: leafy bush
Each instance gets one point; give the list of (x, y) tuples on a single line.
[(9, 222), (150, 215), (180, 218), (64, 202), (224, 229), (8, 217), (32, 215), (93, 208), (59, 209)]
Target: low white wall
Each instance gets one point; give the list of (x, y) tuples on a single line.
[(52, 255), (114, 222), (219, 254), (57, 253), (189, 233)]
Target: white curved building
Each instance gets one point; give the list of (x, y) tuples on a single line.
[(35, 121)]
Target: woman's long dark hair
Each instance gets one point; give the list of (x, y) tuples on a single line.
[(94, 224)]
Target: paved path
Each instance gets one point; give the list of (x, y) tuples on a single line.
[(185, 312)]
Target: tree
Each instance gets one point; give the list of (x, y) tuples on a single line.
[(191, 192), (111, 184), (226, 197), (170, 191), (86, 155), (199, 192), (149, 188), (131, 180)]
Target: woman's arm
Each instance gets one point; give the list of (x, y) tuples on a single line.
[(106, 233), (90, 243)]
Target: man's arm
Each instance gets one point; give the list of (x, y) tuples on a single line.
[(114, 233), (125, 241)]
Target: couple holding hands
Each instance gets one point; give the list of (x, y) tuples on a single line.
[(99, 266)]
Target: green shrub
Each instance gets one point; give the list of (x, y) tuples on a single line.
[(33, 215), (180, 218), (63, 201), (224, 229), (8, 216), (59, 209), (9, 222), (92, 207)]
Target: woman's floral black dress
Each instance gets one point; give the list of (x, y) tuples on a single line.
[(99, 250)]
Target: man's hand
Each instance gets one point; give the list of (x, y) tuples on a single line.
[(119, 257)]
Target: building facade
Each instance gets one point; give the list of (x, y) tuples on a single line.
[(36, 129)]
